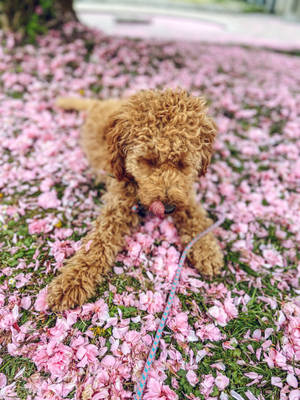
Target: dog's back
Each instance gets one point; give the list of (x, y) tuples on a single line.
[(75, 103), (92, 136)]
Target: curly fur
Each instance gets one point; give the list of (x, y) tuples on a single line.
[(155, 144)]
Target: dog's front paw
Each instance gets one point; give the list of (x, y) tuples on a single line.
[(208, 258), (64, 293)]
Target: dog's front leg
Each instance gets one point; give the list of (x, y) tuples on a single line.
[(78, 278), (206, 254)]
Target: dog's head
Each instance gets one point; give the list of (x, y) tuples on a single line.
[(161, 140)]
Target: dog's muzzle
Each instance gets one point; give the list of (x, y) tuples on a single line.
[(157, 208), (161, 209), (169, 208)]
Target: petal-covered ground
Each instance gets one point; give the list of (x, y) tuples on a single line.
[(237, 337)]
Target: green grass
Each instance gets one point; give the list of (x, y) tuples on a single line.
[(230, 5)]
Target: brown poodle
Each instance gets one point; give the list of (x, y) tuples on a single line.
[(153, 146)]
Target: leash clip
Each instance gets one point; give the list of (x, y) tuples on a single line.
[(139, 209)]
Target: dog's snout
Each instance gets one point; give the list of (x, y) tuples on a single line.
[(169, 208)]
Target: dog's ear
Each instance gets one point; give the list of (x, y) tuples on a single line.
[(116, 134), (198, 120), (207, 134)]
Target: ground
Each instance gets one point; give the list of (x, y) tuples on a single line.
[(212, 5), (237, 337), (170, 20)]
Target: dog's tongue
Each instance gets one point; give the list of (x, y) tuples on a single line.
[(157, 208)]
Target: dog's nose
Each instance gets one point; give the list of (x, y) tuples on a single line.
[(169, 208)]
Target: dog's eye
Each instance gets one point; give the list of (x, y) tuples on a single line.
[(149, 162), (181, 165)]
